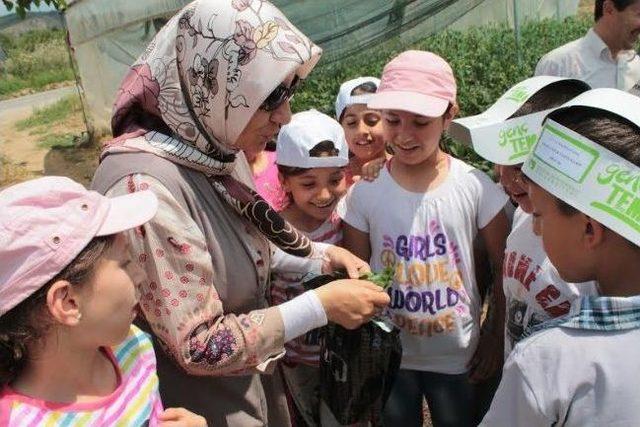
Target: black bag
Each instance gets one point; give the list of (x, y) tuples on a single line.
[(357, 367)]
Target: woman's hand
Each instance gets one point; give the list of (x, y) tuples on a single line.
[(180, 417), (340, 258), (350, 303)]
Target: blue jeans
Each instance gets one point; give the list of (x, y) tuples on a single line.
[(451, 400)]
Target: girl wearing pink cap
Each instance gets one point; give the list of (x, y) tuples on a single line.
[(68, 352), (420, 217)]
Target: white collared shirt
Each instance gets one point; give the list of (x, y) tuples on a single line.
[(589, 59)]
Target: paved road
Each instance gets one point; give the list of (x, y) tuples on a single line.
[(16, 106)]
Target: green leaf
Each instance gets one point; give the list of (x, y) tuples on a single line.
[(384, 279)]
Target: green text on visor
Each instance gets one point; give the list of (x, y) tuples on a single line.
[(496, 137), (588, 177)]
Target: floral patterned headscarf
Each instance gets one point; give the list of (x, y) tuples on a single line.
[(197, 85)]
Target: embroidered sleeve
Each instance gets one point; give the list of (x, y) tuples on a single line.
[(180, 302)]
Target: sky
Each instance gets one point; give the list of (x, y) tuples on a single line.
[(42, 8)]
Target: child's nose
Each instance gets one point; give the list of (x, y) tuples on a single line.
[(362, 127), (324, 194)]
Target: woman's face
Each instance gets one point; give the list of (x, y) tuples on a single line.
[(265, 125), (364, 132)]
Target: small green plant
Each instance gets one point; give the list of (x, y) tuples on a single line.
[(384, 279)]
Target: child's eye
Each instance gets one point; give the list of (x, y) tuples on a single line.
[(336, 182), (351, 123), (308, 185), (125, 263), (392, 122), (371, 119)]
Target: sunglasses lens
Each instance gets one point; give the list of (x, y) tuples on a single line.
[(275, 98), (280, 95)]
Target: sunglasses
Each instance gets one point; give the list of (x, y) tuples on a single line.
[(280, 95)]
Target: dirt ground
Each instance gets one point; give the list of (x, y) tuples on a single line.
[(23, 158)]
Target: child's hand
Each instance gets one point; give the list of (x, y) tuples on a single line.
[(371, 169), (488, 358), (180, 417)]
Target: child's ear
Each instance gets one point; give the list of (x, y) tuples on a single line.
[(593, 233), (63, 303), (450, 114)]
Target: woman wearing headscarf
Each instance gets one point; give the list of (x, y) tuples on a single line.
[(215, 81)]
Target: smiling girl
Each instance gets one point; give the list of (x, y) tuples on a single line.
[(420, 217), (362, 126), (311, 158)]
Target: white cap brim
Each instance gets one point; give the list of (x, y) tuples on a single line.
[(129, 211)]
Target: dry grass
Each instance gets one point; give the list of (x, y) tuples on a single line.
[(585, 7), (11, 173)]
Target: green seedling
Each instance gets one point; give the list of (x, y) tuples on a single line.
[(382, 279)]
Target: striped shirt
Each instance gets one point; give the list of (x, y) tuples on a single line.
[(135, 402), (286, 286)]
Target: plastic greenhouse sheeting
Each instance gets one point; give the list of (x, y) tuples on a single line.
[(107, 36)]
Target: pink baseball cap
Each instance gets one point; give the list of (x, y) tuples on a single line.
[(45, 223), (418, 82)]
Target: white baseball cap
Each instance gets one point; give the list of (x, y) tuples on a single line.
[(345, 98), (306, 130)]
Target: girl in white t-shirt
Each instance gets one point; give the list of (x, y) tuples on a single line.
[(420, 217)]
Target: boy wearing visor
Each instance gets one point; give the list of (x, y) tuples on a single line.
[(505, 135), (584, 175)]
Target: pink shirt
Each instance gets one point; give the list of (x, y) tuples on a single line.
[(268, 184)]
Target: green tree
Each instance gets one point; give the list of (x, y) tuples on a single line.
[(22, 6)]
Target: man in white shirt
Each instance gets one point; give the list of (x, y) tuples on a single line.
[(605, 56)]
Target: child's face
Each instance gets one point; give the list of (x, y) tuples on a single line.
[(108, 301), (364, 132), (316, 192), (414, 138), (514, 185), (562, 235)]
